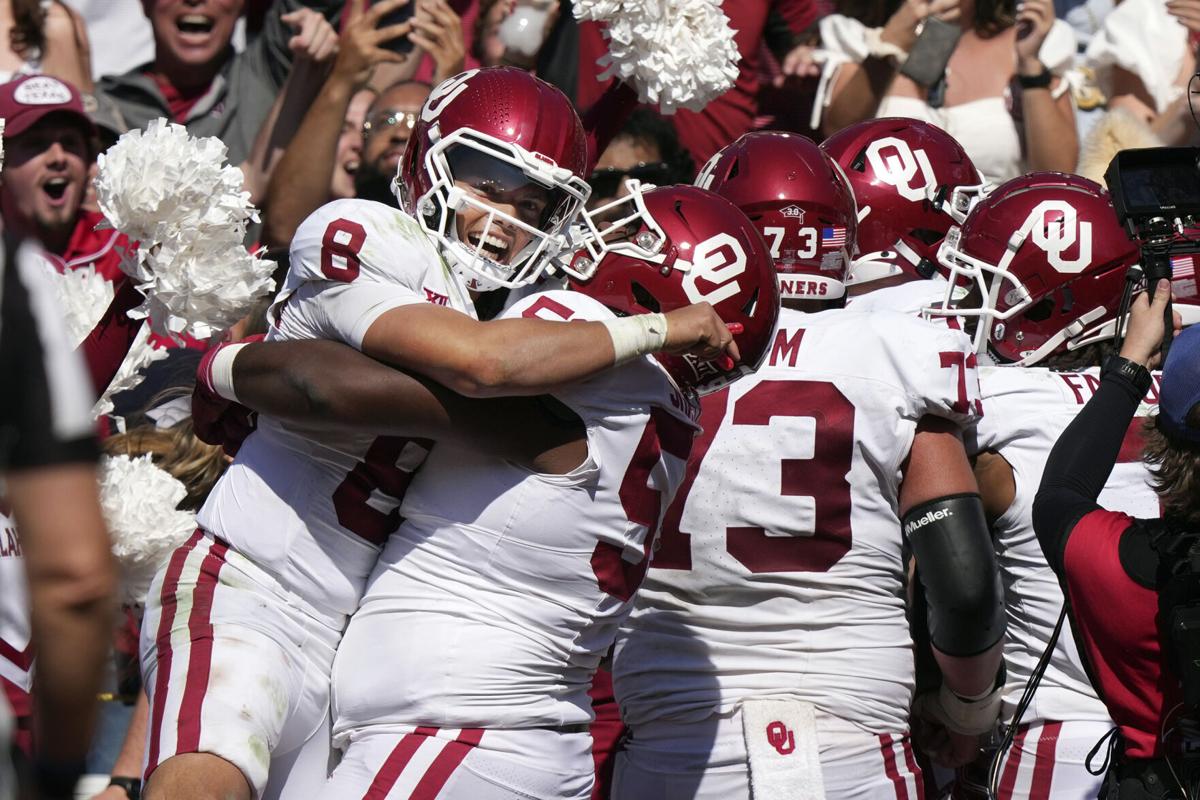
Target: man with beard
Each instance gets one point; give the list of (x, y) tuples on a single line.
[(49, 146)]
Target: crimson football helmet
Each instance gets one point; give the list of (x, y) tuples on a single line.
[(680, 245), (801, 203), (912, 181), (1045, 259), (489, 137), (1185, 294)]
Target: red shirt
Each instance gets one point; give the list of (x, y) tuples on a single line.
[(180, 102), (101, 248), (105, 347), (1132, 687)]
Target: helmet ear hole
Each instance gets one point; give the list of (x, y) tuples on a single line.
[(927, 236), (1041, 311), (751, 304), (643, 298)]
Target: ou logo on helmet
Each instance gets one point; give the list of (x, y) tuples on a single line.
[(897, 164), (1057, 235), (717, 260), (705, 178), (444, 93)]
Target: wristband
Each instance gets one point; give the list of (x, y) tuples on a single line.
[(219, 376), (1131, 371), (1039, 81), (633, 336), (878, 48), (971, 715), (131, 786)]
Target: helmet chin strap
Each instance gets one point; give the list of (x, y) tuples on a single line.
[(1067, 334)]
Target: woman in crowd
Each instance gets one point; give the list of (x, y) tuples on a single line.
[(44, 36)]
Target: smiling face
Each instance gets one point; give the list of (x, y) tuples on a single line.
[(501, 240), (350, 146), (192, 33), (494, 184), (43, 180)]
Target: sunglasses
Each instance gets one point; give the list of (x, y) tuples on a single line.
[(386, 120), (607, 182)]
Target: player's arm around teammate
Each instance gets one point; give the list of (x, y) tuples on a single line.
[(532, 356), (943, 520), (336, 386)]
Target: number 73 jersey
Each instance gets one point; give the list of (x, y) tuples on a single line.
[(779, 571)]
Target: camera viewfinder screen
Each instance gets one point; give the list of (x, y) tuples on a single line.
[(1151, 188)]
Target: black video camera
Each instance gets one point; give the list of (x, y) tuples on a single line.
[(1156, 194)]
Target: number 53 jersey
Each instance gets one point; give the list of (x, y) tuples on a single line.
[(779, 571)]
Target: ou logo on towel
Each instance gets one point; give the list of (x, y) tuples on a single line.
[(897, 164), (782, 739), (1054, 227)]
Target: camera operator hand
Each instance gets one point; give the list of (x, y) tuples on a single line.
[(1144, 337)]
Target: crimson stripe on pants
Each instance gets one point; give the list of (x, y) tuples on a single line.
[(1043, 765), (169, 603), (200, 630), (394, 764), (1008, 780), (911, 763), (444, 765), (889, 766)]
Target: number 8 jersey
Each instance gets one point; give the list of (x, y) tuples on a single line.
[(779, 571), (312, 506)]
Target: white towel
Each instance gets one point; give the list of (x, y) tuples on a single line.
[(781, 740)]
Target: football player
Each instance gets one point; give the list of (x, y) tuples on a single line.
[(1046, 260), (242, 624), (465, 669), (912, 182), (768, 653)]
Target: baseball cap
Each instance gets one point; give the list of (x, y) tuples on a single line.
[(1181, 386), (27, 99)]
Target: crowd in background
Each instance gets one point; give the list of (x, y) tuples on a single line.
[(316, 99)]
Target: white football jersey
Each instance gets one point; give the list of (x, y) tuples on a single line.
[(779, 570), (1026, 410), (903, 298), (495, 601), (312, 506), (16, 649)]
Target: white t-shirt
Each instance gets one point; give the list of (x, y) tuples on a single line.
[(313, 506), (1026, 410), (780, 570), (495, 601)]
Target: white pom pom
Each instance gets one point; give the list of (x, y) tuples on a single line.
[(676, 53), (162, 182), (83, 297), (139, 502), (141, 355), (200, 286), (174, 195)]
